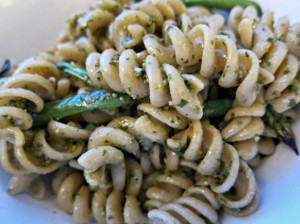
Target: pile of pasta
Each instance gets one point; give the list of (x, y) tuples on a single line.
[(159, 161)]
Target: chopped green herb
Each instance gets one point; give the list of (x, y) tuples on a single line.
[(221, 173), (292, 102), (270, 39), (286, 71), (182, 103)]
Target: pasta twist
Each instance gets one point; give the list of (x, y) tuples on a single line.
[(216, 53), (123, 74), (73, 196), (272, 44), (261, 33), (65, 141), (130, 26), (19, 157), (126, 175), (166, 188), (234, 183), (154, 155), (196, 205), (32, 184), (104, 205), (104, 150), (43, 65), (26, 90), (94, 23), (76, 51), (39, 154), (200, 15), (244, 126), (189, 49), (199, 142), (242, 198), (161, 153), (238, 68)]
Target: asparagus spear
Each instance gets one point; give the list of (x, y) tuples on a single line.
[(282, 128), (212, 108), (77, 71), (5, 67), (80, 103), (216, 108), (224, 4)]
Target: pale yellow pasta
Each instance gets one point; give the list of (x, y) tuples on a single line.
[(58, 147), (29, 157), (167, 187), (246, 191), (162, 155), (74, 51), (41, 65), (200, 15), (71, 185), (33, 82), (195, 206), (123, 74), (32, 184)]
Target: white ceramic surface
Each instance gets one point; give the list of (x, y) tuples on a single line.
[(27, 27)]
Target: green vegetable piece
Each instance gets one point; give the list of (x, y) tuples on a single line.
[(80, 103), (224, 4), (5, 67), (221, 172), (76, 71), (282, 128), (216, 108)]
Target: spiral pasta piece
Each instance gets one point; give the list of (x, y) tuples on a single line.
[(244, 127), (65, 141), (199, 142), (123, 74), (200, 15), (102, 151), (167, 187), (73, 195), (74, 51), (245, 201), (42, 65), (197, 205), (271, 43), (25, 91), (32, 183), (29, 158), (164, 155), (130, 26), (234, 183), (260, 33)]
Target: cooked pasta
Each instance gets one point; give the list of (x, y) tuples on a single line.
[(165, 155)]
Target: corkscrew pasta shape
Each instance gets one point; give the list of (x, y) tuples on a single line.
[(165, 156)]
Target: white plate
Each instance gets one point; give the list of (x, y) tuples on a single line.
[(28, 27)]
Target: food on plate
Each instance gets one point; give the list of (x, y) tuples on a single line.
[(152, 111)]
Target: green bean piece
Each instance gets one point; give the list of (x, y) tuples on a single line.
[(77, 71), (224, 4), (282, 128), (80, 103), (216, 108)]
